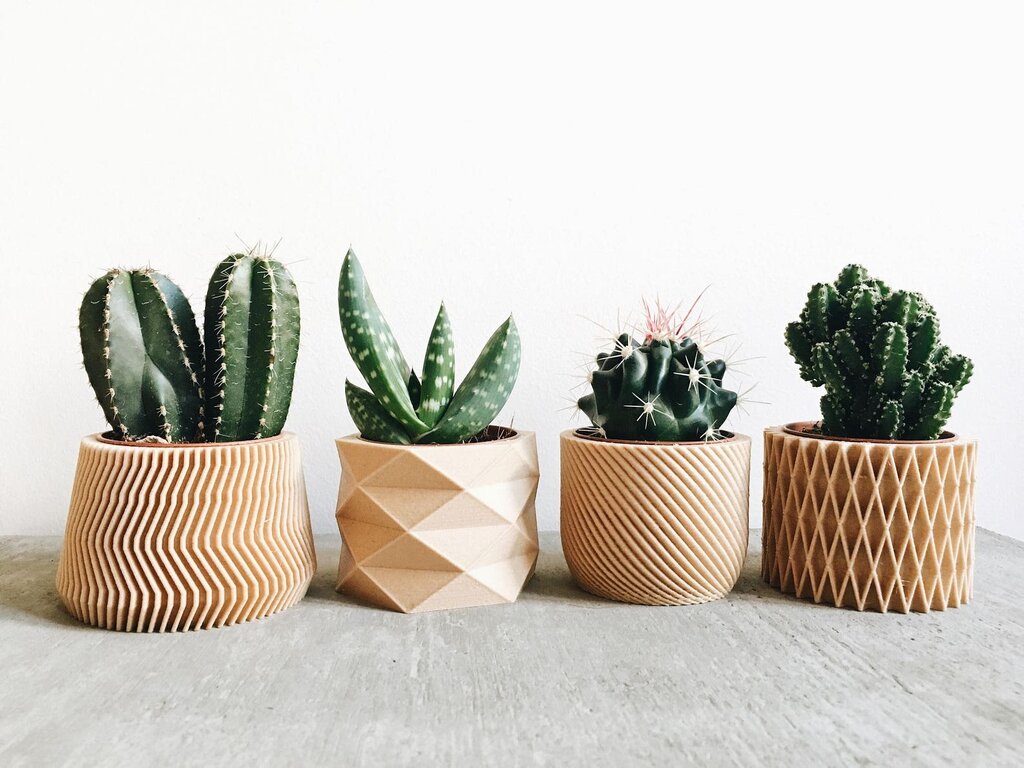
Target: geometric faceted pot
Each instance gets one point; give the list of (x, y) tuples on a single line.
[(871, 525), (655, 523), (165, 537), (431, 527)]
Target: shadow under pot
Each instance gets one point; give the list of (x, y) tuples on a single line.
[(432, 527), (870, 525), (166, 537), (655, 523)]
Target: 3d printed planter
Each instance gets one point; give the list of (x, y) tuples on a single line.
[(655, 523), (429, 527), (162, 537), (884, 526)]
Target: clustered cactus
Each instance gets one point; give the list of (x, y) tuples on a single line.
[(662, 389), (878, 354), (145, 359), (402, 408)]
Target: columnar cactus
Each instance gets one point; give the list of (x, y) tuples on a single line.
[(877, 353), (660, 389), (145, 360), (399, 408), (252, 342), (143, 355)]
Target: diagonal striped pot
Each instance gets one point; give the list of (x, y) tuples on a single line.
[(185, 536), (655, 523)]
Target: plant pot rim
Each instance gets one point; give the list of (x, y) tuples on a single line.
[(514, 434), (101, 437), (800, 429), (731, 437)]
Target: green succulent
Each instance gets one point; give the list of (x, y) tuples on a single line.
[(146, 363), (400, 407), (877, 352), (662, 388)]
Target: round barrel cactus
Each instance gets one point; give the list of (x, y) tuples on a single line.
[(662, 388)]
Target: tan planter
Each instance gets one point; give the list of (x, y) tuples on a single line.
[(429, 527), (883, 526), (168, 537), (655, 523)]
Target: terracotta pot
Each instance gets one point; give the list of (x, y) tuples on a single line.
[(430, 527), (883, 526), (165, 537), (655, 523)]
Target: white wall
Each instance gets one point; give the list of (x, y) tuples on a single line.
[(557, 162)]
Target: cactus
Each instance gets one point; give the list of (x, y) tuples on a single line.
[(400, 408), (252, 341), (878, 354), (143, 355), (661, 389)]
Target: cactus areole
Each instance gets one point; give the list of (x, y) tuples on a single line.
[(662, 389), (145, 358), (401, 407), (877, 352)]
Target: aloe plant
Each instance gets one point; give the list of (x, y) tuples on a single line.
[(145, 358), (402, 408), (662, 388), (878, 353)]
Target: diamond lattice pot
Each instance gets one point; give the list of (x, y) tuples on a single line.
[(655, 523), (884, 526), (430, 527), (185, 536)]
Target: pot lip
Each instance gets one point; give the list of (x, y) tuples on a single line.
[(732, 437), (515, 435), (800, 429), (101, 438)]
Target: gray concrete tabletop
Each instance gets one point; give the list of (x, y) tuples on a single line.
[(559, 678)]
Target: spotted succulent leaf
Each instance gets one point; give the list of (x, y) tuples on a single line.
[(373, 346), (438, 371), (484, 391)]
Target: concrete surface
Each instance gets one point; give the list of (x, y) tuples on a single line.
[(560, 678)]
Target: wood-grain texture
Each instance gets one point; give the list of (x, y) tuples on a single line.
[(558, 678), (870, 526), (170, 537), (655, 523)]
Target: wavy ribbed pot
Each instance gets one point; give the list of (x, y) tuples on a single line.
[(655, 523), (163, 537), (431, 527), (883, 526)]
